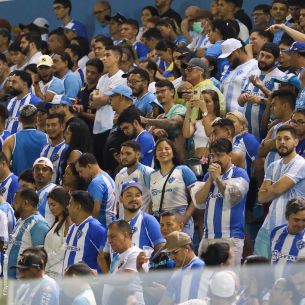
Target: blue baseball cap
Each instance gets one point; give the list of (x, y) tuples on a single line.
[(155, 102), (60, 100), (122, 90), (76, 27), (290, 79), (297, 46), (131, 183)]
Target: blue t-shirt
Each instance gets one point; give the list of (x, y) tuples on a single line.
[(56, 86), (300, 149), (83, 242), (8, 188), (72, 84), (144, 103), (141, 50), (147, 143), (4, 135), (101, 188)]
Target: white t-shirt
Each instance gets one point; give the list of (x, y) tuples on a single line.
[(34, 59), (243, 31), (104, 115)]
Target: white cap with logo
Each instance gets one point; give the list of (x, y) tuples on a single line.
[(229, 46), (43, 161)]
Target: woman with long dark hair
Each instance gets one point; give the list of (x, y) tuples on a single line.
[(54, 244), (170, 184)]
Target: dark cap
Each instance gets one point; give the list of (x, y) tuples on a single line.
[(195, 63), (29, 260), (31, 27), (28, 111), (42, 106), (117, 17), (271, 48), (136, 70), (187, 54)]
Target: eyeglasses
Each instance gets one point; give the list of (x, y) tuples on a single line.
[(134, 82), (100, 12), (299, 122)]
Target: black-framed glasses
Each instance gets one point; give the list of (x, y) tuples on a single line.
[(100, 11), (134, 82)]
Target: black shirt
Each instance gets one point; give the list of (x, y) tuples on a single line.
[(174, 15)]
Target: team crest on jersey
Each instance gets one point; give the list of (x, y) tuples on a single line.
[(300, 244), (79, 234), (239, 72), (135, 179), (54, 157), (134, 229), (171, 179), (2, 190)]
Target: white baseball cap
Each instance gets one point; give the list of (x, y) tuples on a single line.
[(42, 23), (45, 60), (43, 161), (222, 284), (229, 46)]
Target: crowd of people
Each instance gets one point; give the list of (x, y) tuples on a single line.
[(176, 143)]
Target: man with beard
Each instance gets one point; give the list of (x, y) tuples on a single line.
[(223, 196), (30, 230), (257, 88), (42, 172), (284, 180), (138, 81), (145, 227), (133, 170), (56, 149), (46, 85), (129, 122), (298, 123), (241, 67), (30, 44), (101, 188), (24, 147), (20, 83)]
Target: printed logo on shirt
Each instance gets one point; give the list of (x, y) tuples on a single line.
[(72, 248), (155, 192), (300, 244), (79, 234), (134, 230), (171, 179), (54, 157), (276, 255), (212, 196), (2, 190)]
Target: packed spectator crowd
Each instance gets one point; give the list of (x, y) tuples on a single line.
[(173, 144)]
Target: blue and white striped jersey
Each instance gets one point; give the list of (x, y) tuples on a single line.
[(101, 188), (5, 134), (11, 219), (28, 232), (286, 248), (14, 106), (57, 156), (295, 170), (140, 175), (254, 112), (43, 206), (8, 187), (83, 242), (221, 219), (232, 83)]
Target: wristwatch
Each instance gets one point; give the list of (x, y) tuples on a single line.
[(205, 114)]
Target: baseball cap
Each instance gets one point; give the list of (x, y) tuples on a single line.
[(297, 46), (45, 60), (290, 79), (28, 111), (128, 184), (43, 161), (155, 102), (42, 23), (222, 284), (176, 240), (60, 100), (29, 260), (122, 90), (31, 27), (195, 63), (117, 17), (187, 54), (42, 106), (76, 27), (229, 46), (136, 70)]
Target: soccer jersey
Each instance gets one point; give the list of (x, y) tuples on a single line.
[(232, 83), (72, 84), (221, 219), (57, 156), (14, 106), (295, 170), (140, 175), (101, 188), (83, 242), (4, 135), (27, 148), (248, 144), (252, 111), (175, 194), (144, 103), (11, 220), (55, 86), (3, 227), (147, 143), (28, 232), (8, 187), (43, 206)]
